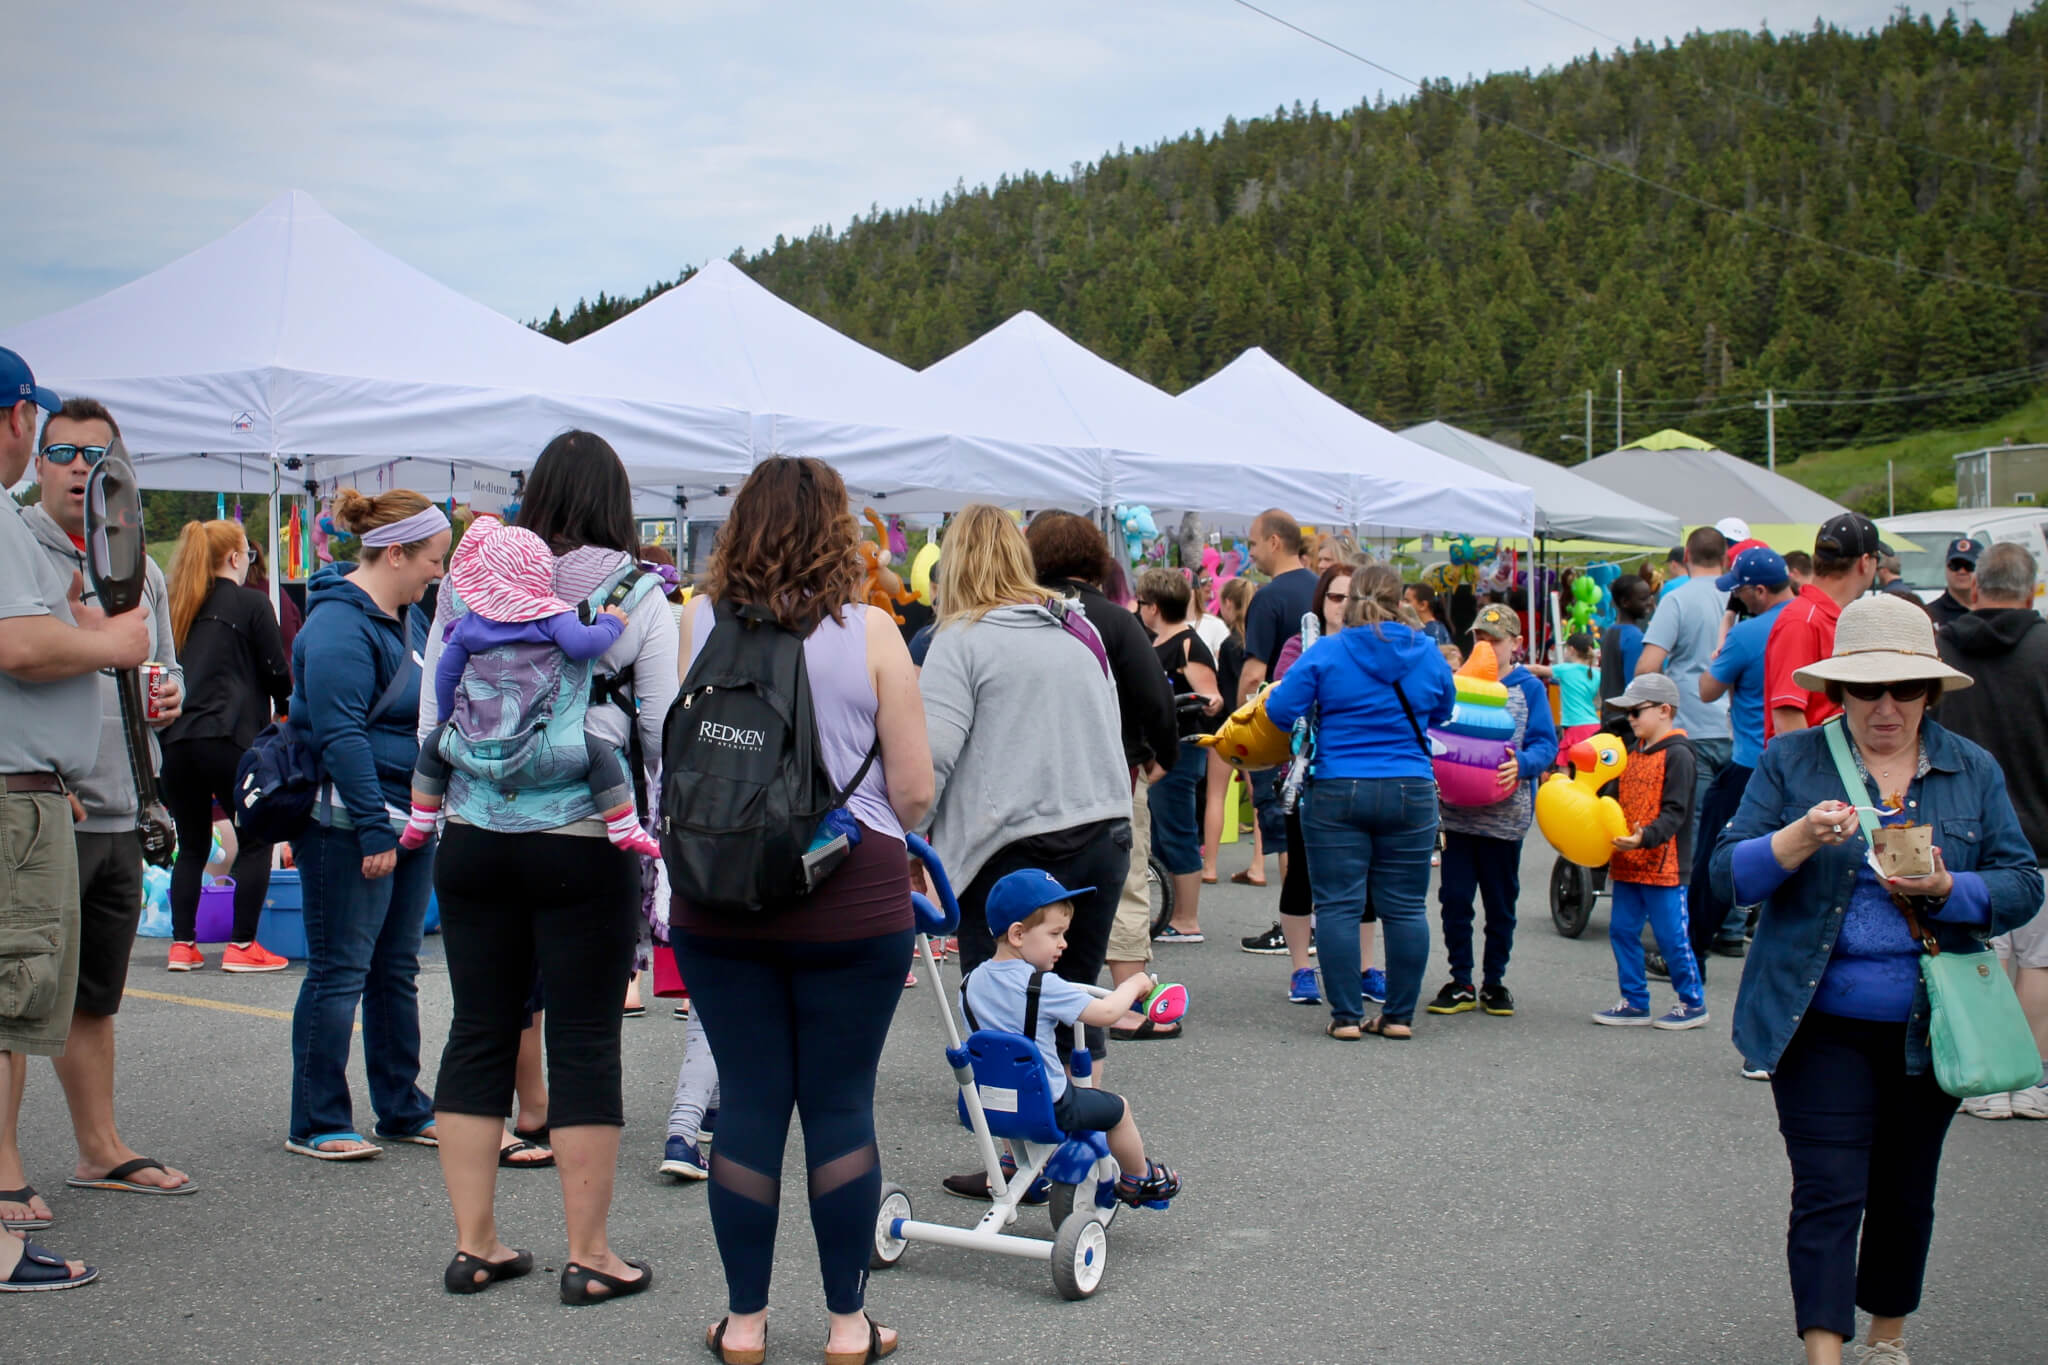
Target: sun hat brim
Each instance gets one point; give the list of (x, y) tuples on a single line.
[(1880, 666)]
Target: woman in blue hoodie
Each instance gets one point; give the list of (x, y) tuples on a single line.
[(365, 898), (1369, 814)]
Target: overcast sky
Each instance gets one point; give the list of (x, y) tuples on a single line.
[(531, 153)]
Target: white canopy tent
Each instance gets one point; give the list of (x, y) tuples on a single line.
[(1037, 383), (293, 339), (719, 338), (1396, 485), (1567, 507)]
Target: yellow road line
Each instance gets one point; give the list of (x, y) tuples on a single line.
[(226, 1006)]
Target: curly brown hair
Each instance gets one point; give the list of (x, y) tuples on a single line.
[(1068, 545), (789, 544)]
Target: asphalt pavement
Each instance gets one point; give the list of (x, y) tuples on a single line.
[(1529, 1190)]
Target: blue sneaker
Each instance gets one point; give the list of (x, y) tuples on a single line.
[(1623, 1013), (1682, 1016), (1301, 988), (681, 1159), (1374, 983)]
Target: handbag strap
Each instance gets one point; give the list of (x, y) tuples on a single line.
[(1409, 711), (1853, 785)]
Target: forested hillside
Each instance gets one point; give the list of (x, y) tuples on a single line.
[(1424, 258)]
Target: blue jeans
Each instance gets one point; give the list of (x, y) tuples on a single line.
[(1370, 834), (1664, 908), (362, 945), (1489, 869), (1172, 801)]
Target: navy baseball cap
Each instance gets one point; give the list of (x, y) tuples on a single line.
[(1848, 536), (18, 384), (1757, 567), (1965, 549), (1014, 897)]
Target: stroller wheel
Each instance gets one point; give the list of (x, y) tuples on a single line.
[(1079, 1256), (1571, 897), (889, 1248), (1159, 891)]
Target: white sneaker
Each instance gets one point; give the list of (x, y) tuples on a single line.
[(1882, 1353), (1997, 1106), (2031, 1103), (1755, 1073)]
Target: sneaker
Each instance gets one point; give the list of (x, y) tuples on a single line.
[(1498, 1001), (1373, 982), (254, 958), (909, 979), (682, 1010), (1655, 967), (1272, 943), (1302, 989), (1755, 1073), (186, 957), (2031, 1103), (1172, 935), (1682, 1017), (1989, 1106), (681, 1159), (1622, 1013), (1453, 999), (1882, 1353)]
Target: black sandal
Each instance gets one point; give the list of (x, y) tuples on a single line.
[(1378, 1025), (578, 1282), (714, 1337), (522, 1145), (873, 1352), (461, 1275)]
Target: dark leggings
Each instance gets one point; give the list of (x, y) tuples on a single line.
[(795, 1026), (509, 901), (198, 773)]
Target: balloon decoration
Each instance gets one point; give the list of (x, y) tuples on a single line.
[(1580, 823), (1138, 528), (885, 591), (923, 565), (1249, 740), (1605, 575), (1585, 603), (1468, 749)]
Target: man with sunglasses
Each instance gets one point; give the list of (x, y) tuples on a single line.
[(1960, 595), (1845, 555), (51, 646), (75, 439)]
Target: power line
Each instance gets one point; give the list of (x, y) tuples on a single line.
[(1768, 102), (1738, 214)]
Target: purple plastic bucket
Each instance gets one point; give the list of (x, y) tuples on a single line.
[(216, 911)]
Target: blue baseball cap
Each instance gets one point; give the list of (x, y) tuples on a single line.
[(1757, 567), (18, 383), (1966, 549), (1014, 897)]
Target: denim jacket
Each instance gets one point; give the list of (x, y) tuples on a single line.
[(1963, 795)]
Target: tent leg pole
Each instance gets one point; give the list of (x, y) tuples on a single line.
[(276, 566)]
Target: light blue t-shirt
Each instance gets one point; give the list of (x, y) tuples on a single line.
[(995, 997), (1686, 626), (1578, 693), (1740, 667)]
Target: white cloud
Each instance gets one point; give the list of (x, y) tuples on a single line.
[(531, 153)]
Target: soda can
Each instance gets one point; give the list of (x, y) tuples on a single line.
[(153, 675)]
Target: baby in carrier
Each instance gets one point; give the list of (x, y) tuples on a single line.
[(500, 676)]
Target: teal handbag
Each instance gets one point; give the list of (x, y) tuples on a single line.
[(1981, 1042)]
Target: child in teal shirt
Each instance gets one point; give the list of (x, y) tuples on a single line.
[(1578, 687)]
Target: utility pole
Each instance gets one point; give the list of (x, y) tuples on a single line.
[(1617, 409), (1769, 408), (1589, 424)]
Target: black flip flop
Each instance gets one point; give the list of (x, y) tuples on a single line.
[(522, 1145), (22, 1196), (117, 1179), (460, 1276)]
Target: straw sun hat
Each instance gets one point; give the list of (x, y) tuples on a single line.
[(1881, 639)]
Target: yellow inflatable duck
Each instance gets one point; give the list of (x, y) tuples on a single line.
[(1580, 823), (1248, 740)]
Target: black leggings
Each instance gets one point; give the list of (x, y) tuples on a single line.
[(508, 901), (795, 1026), (1295, 896), (198, 773)]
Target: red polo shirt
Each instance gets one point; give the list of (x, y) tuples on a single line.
[(1803, 633)]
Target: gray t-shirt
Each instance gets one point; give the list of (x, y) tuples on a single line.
[(44, 727), (1686, 627)]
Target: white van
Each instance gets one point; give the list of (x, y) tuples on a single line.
[(1926, 568)]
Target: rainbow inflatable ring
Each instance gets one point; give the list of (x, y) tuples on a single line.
[(1467, 750)]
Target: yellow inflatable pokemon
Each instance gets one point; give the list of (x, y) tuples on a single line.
[(1580, 823), (1248, 740)]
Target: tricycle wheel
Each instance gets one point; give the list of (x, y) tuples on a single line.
[(889, 1248), (1079, 1256), (1159, 890), (1571, 897)]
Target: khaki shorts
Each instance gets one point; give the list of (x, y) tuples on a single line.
[(1130, 937), (38, 923), (2027, 944)]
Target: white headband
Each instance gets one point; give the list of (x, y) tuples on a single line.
[(423, 525)]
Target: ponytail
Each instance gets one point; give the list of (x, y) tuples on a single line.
[(203, 550)]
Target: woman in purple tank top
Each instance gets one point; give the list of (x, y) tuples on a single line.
[(796, 1000)]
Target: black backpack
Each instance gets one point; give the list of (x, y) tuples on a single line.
[(744, 790)]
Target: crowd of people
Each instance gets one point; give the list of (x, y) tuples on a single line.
[(1044, 732)]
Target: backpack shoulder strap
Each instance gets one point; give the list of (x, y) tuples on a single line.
[(1031, 994), (973, 1024)]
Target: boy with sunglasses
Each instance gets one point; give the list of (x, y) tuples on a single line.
[(1648, 872)]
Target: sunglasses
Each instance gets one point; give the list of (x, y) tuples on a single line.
[(1962, 566), (1645, 708), (65, 453), (1912, 689)]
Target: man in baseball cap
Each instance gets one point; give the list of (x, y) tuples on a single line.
[(19, 385), (1845, 554), (1960, 597)]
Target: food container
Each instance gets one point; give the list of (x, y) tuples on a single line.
[(1905, 850)]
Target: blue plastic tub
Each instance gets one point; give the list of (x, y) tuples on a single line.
[(283, 926)]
